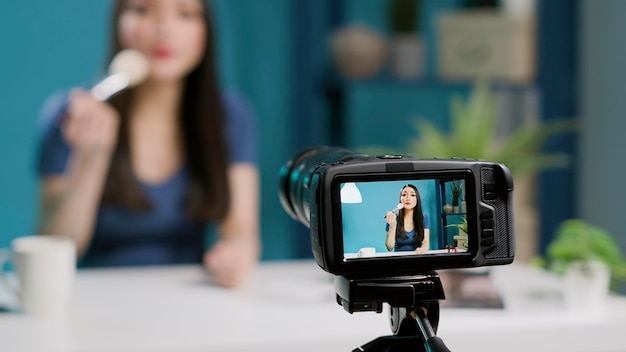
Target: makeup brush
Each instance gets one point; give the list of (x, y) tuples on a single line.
[(127, 69), (396, 209)]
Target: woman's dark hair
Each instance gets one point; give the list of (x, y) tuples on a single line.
[(418, 218), (202, 127)]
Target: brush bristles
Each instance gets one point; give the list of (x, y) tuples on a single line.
[(133, 63)]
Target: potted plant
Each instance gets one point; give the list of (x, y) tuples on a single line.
[(407, 44), (589, 259), (577, 241), (473, 134), (461, 238)]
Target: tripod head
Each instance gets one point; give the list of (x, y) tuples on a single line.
[(414, 312)]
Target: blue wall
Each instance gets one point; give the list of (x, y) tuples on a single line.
[(47, 45)]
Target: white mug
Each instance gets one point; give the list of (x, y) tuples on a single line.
[(367, 252), (45, 268)]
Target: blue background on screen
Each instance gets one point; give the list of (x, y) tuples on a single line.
[(364, 223)]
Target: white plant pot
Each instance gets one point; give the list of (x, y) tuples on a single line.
[(462, 241), (586, 287)]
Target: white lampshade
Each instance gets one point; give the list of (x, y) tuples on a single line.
[(350, 193)]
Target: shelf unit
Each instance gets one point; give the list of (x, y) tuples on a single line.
[(446, 237)]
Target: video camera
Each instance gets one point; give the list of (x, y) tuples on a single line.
[(343, 198), (450, 213)]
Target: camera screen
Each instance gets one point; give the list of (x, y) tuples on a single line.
[(404, 218)]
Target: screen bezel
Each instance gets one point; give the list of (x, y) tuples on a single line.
[(389, 264)]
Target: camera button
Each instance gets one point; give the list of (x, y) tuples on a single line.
[(487, 242), (488, 238), (487, 224), (489, 191), (486, 214)]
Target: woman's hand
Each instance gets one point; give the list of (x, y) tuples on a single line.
[(91, 126), (425, 243), (421, 250), (390, 240), (230, 262), (391, 219)]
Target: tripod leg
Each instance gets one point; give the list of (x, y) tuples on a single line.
[(432, 343), (406, 335)]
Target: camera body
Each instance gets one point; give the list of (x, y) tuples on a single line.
[(346, 199)]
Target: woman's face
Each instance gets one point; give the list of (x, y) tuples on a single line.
[(408, 198), (171, 33)]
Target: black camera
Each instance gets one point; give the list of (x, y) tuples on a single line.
[(447, 213)]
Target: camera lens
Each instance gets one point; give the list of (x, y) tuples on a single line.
[(295, 175)]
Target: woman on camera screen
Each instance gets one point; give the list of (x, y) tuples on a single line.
[(409, 229)]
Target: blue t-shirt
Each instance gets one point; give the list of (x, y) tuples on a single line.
[(164, 234), (411, 243)]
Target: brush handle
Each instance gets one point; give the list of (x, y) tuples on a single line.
[(111, 85), (101, 91)]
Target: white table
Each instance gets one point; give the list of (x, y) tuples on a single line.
[(287, 306)]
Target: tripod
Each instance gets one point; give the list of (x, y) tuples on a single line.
[(414, 313)]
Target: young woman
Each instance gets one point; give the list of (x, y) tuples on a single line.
[(139, 179), (409, 230)]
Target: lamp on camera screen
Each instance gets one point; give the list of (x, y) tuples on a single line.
[(403, 218)]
